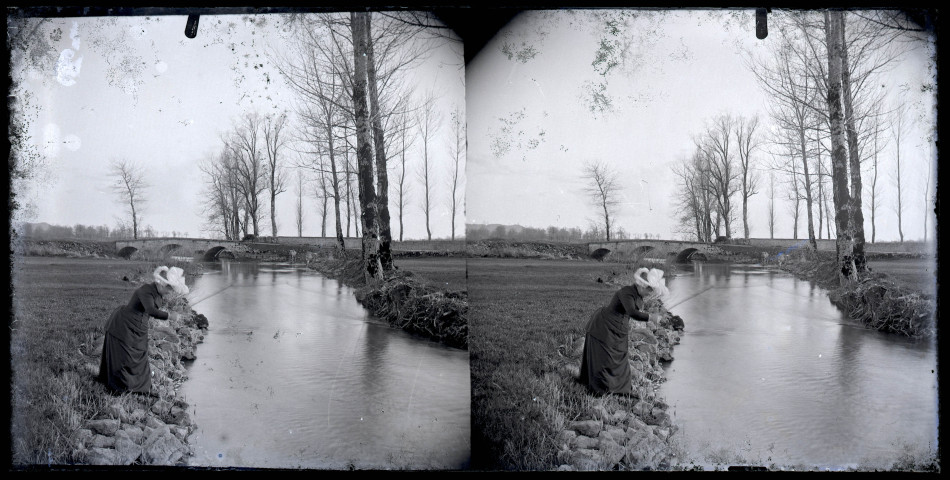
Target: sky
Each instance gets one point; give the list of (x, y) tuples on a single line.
[(531, 126), (172, 115)]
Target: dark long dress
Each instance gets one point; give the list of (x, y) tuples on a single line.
[(605, 366), (124, 366)]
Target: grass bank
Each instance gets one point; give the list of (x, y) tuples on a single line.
[(60, 413), (897, 304), (528, 410), (433, 309)]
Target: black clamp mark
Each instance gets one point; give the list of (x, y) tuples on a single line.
[(761, 23), (191, 28)]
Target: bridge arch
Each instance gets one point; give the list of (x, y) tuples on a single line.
[(168, 248), (642, 250), (214, 253), (127, 252), (690, 254)]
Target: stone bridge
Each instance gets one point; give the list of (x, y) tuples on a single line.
[(683, 251), (680, 251), (210, 249)]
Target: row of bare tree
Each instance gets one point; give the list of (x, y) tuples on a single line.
[(828, 112), (356, 119)]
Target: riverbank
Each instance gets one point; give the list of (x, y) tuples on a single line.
[(877, 300), (405, 300), (61, 415), (529, 412)]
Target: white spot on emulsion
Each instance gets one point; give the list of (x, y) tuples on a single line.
[(161, 66), (74, 35), (72, 142), (67, 68)]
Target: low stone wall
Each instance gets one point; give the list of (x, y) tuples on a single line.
[(144, 430), (608, 436)]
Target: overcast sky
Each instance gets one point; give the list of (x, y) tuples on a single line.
[(171, 116), (531, 126)]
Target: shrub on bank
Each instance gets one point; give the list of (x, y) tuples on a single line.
[(874, 299), (405, 301), (408, 303)]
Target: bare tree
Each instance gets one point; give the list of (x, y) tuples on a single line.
[(724, 175), (129, 185), (298, 211), (794, 196), (321, 108), (457, 152), (221, 205), (428, 120), (372, 267), (747, 141), (792, 93), (873, 194), (245, 145), (771, 204), (273, 143), (842, 200), (898, 127), (403, 187), (691, 197), (603, 189), (323, 193)]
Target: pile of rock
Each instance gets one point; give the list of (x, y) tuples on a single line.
[(605, 440), (148, 430), (609, 436)]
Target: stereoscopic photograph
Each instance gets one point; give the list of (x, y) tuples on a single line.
[(473, 239)]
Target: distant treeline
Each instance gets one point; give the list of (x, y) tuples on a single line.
[(474, 232), (45, 231)]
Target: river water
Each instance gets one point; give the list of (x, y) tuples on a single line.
[(293, 373), (770, 372)]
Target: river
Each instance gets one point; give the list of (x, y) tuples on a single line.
[(769, 372), (293, 373)]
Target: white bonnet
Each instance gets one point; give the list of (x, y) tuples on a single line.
[(175, 279), (653, 278)]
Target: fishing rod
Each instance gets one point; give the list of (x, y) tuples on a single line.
[(691, 297), (710, 288), (213, 294)]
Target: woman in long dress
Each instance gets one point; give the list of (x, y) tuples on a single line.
[(124, 366), (605, 365)]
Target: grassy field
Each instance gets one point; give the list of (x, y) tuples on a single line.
[(918, 274), (59, 307), (523, 313), (442, 272)]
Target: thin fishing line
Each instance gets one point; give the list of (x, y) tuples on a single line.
[(723, 287), (213, 294)]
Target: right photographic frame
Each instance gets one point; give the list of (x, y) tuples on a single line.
[(703, 239)]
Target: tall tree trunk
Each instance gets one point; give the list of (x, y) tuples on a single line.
[(402, 184), (372, 269), (808, 200), (336, 189), (745, 213), (854, 159), (874, 193), (349, 188), (821, 190), (900, 196), (382, 175), (839, 160)]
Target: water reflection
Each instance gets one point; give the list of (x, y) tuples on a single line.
[(769, 371), (293, 373)]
